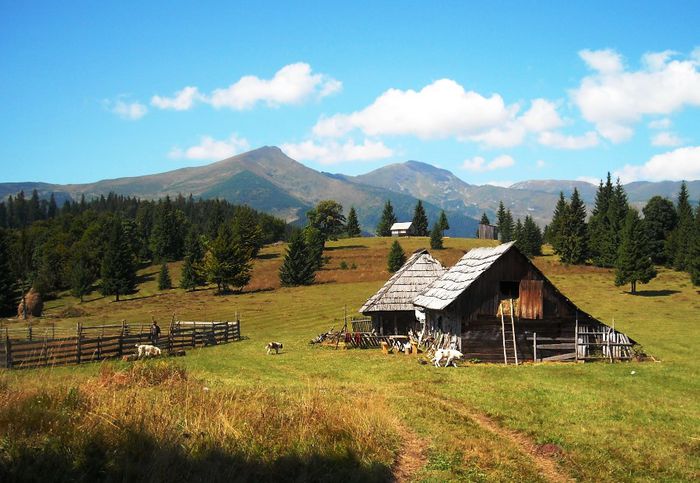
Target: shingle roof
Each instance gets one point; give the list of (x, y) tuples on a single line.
[(399, 291), (444, 290), (401, 225)]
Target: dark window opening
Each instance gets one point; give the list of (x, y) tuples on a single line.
[(509, 290)]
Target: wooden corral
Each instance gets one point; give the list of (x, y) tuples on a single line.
[(31, 347), (391, 308), (468, 300)]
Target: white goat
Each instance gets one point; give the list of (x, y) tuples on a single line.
[(449, 355), (146, 350)]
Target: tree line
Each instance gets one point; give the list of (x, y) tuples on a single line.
[(107, 238)]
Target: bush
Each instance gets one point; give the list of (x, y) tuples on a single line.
[(343, 265)]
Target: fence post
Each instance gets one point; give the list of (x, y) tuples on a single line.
[(120, 350), (534, 346), (79, 335), (170, 334), (194, 336), (29, 332), (576, 339), (226, 333), (8, 350)]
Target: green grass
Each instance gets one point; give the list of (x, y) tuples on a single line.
[(611, 424)]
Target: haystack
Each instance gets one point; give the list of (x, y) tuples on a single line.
[(35, 304)]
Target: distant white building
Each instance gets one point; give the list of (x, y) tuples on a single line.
[(402, 229)]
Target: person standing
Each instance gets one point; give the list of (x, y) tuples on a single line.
[(155, 332)]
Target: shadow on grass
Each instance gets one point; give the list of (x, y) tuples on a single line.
[(268, 256), (146, 277), (656, 293), (346, 247), (136, 456)]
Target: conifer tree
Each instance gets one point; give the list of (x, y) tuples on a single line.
[(247, 231), (353, 226), (7, 285), (420, 220), (314, 240), (396, 258), (227, 263), (659, 221), (298, 267), (52, 209), (387, 220), (444, 224), (599, 225), (164, 281), (193, 273), (561, 212), (118, 264), (436, 237), (505, 224), (500, 220), (634, 262), (188, 277), (81, 276), (530, 239), (678, 248), (573, 243), (484, 220), (518, 231), (694, 261)]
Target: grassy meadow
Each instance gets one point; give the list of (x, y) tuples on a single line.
[(316, 414)]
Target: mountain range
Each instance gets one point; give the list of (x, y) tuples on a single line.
[(270, 181)]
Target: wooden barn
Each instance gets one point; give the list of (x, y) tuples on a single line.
[(391, 308), (503, 308), (402, 229), (487, 232)]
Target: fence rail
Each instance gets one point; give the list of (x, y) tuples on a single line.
[(25, 348)]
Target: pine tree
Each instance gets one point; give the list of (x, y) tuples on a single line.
[(694, 261), (247, 231), (227, 263), (573, 241), (484, 220), (436, 237), (297, 267), (315, 241), (52, 210), (164, 281), (444, 224), (504, 222), (81, 276), (387, 220), (530, 240), (518, 232), (599, 226), (420, 220), (7, 285), (118, 264), (396, 258), (659, 221), (353, 226), (634, 262), (678, 249), (194, 251), (188, 277), (561, 212)]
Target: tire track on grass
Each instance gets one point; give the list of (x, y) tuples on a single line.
[(546, 465)]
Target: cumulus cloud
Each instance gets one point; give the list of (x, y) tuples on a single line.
[(292, 84), (561, 141), (681, 163), (663, 123), (444, 109), (333, 152), (127, 110), (614, 98), (667, 139), (478, 163), (211, 149), (183, 100), (540, 163)]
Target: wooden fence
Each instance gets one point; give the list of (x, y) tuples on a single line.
[(32, 347)]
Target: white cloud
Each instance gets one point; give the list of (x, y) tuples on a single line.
[(663, 123), (332, 152), (127, 110), (212, 149), (561, 141), (292, 84), (501, 184), (444, 109), (540, 163), (589, 179), (478, 163), (183, 100), (614, 99), (681, 163), (667, 139)]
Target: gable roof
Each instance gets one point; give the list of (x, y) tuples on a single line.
[(400, 290), (401, 225), (445, 290)]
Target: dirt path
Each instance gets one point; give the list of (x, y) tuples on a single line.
[(541, 456), (411, 458)]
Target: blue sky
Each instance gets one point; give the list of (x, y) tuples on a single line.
[(496, 92)]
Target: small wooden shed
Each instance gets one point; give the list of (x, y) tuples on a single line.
[(473, 300), (487, 232), (402, 229), (391, 308)]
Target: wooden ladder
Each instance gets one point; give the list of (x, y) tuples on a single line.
[(508, 335)]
